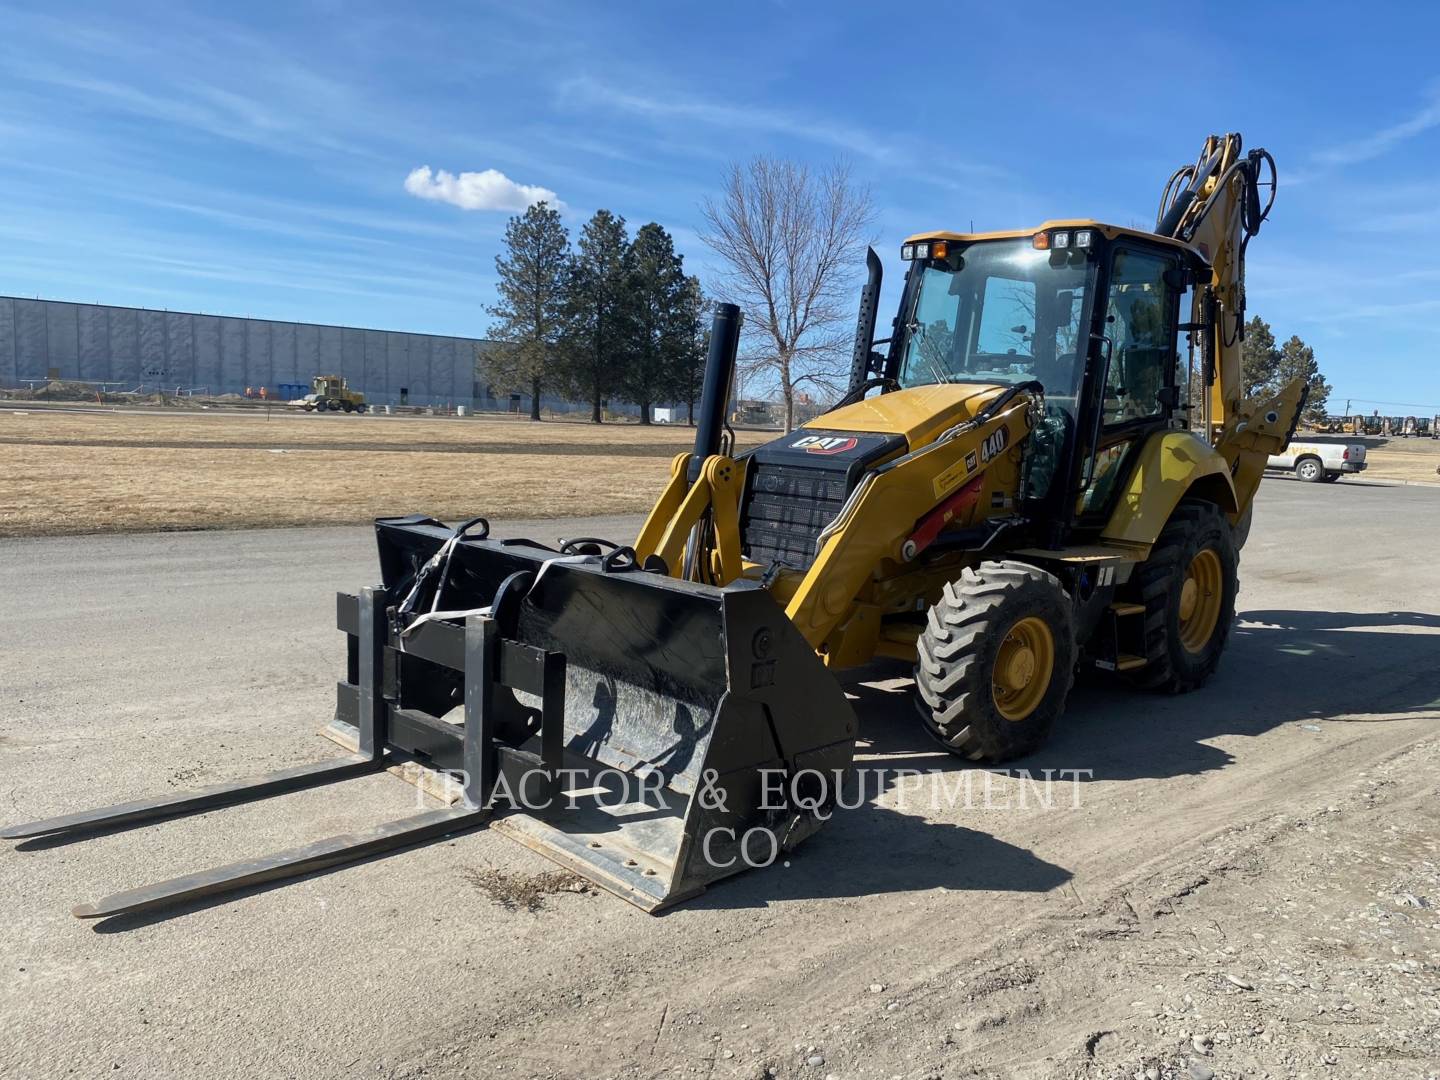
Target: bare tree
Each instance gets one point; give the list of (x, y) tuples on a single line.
[(789, 239)]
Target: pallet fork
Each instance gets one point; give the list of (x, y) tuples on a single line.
[(372, 757), (650, 733)]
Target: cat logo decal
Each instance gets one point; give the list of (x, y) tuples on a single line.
[(825, 444)]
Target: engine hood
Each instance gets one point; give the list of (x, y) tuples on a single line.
[(919, 413)]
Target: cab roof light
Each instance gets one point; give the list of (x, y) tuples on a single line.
[(907, 252), (922, 250), (1042, 241), (1084, 238), (939, 249), (1060, 241)]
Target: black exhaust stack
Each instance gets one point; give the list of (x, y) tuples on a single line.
[(860, 366), (715, 394)]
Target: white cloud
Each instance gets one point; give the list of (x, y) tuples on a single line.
[(487, 190), (1374, 145), (669, 108)]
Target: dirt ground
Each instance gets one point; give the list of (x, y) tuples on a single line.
[(124, 471), (1248, 887), (82, 471)]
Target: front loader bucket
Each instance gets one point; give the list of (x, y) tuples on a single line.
[(651, 734)]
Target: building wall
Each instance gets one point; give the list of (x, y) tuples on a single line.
[(141, 349)]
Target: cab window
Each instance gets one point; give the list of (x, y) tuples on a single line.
[(1142, 357), (1007, 318)]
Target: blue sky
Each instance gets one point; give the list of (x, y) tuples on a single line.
[(262, 159)]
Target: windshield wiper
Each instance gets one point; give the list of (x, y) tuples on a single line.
[(917, 340)]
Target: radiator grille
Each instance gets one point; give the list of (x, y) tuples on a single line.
[(787, 508)]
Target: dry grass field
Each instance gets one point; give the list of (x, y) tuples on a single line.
[(1403, 459), (113, 471), (71, 472)]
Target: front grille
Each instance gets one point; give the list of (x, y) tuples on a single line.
[(786, 509)]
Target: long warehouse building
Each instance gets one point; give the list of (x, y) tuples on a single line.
[(139, 349)]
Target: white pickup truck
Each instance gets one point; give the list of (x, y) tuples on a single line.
[(1320, 462)]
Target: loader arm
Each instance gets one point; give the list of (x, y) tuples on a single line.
[(704, 516)]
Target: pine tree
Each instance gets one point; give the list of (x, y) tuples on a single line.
[(1297, 360), (531, 308), (598, 310), (690, 369), (661, 333), (1259, 358)]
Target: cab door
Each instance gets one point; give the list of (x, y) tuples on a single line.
[(1139, 357)]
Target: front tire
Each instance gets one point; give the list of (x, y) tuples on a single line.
[(1188, 587), (996, 661), (1241, 528)]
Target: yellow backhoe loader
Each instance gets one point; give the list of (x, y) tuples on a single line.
[(1049, 466)]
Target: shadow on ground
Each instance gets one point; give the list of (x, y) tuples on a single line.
[(1281, 667)]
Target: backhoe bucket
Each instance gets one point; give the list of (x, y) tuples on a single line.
[(651, 734)]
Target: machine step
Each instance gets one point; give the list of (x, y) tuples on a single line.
[(1122, 608)]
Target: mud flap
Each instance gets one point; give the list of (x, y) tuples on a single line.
[(654, 735)]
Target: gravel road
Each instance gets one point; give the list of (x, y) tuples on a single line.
[(1248, 885)]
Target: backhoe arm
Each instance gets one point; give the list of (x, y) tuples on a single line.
[(1217, 205)]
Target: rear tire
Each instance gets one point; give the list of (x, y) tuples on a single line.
[(996, 661), (1331, 477), (347, 406), (360, 409), (1188, 587), (1310, 469), (321, 406)]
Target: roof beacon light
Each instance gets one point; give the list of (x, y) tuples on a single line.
[(1042, 241)]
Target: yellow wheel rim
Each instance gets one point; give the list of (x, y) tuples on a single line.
[(1200, 597), (1023, 668)]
